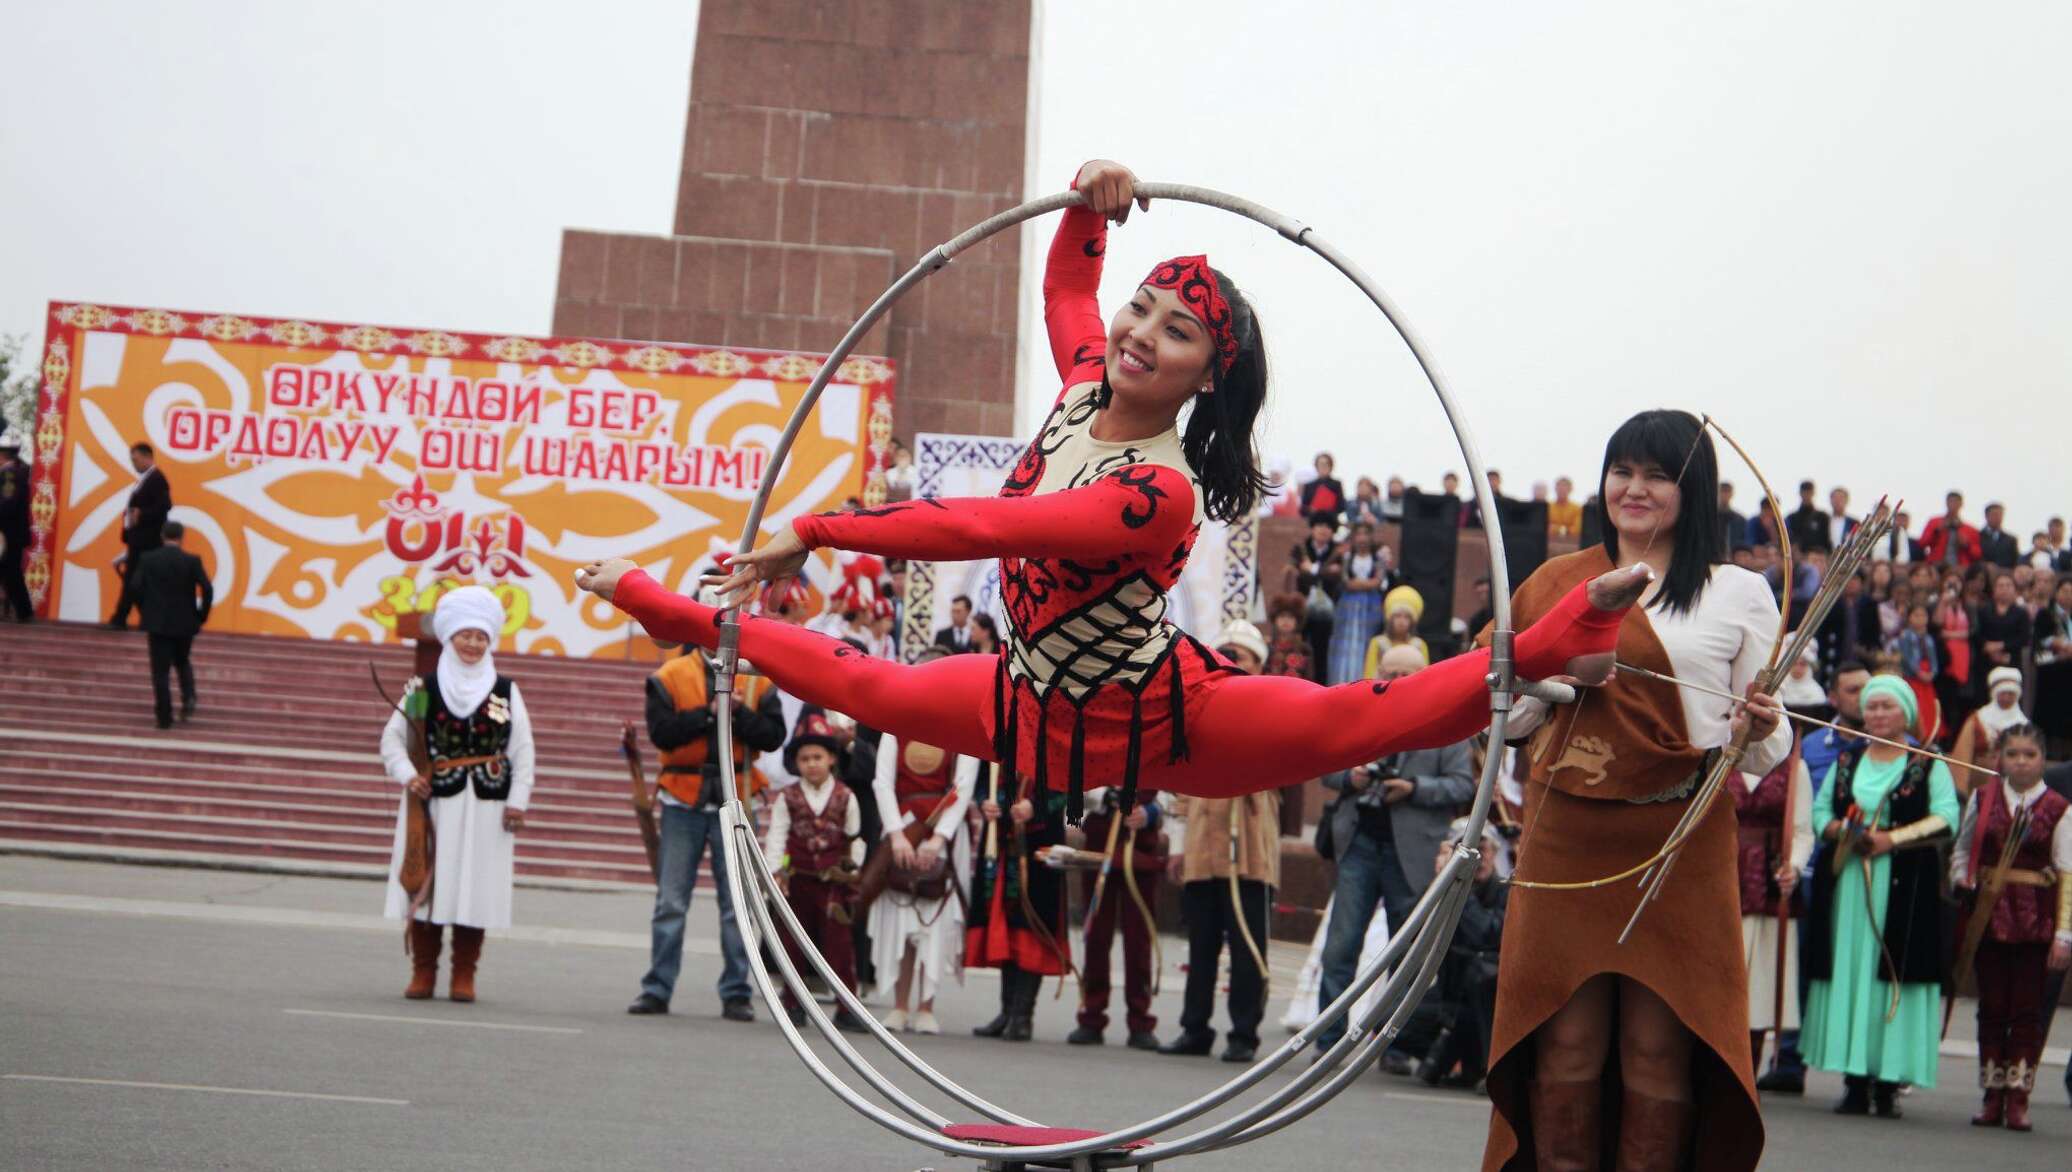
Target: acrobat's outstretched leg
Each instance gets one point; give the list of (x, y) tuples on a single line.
[(1253, 727), (947, 702)]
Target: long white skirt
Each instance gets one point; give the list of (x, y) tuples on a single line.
[(1759, 945), (1304, 1006), (935, 928), (472, 857)]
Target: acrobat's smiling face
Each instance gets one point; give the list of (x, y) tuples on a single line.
[(1158, 350)]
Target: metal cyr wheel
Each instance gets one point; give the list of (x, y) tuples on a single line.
[(1405, 968)]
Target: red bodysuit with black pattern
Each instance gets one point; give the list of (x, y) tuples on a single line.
[(1094, 686)]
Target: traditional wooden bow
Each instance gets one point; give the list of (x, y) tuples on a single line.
[(1730, 756), (1237, 903)]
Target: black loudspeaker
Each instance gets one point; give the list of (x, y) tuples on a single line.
[(1431, 540), (1525, 536)]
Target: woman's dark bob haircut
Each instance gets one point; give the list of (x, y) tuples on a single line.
[(1678, 444)]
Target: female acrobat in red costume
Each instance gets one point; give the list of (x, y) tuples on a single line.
[(1092, 528)]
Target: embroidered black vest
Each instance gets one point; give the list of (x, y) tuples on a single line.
[(485, 732), (1913, 929)]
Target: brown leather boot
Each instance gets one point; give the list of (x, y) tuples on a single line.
[(467, 949), (1654, 1134), (424, 959), (1567, 1125), (1993, 1110)]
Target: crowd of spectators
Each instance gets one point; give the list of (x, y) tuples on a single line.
[(1945, 603), (1960, 608)]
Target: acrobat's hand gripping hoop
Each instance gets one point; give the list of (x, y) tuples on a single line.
[(1405, 967)]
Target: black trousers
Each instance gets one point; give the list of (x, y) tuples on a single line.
[(1211, 923), (128, 597), (169, 653), (11, 581)]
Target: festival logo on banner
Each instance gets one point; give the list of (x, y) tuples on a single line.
[(335, 478)]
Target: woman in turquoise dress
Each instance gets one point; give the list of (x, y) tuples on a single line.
[(1874, 935)]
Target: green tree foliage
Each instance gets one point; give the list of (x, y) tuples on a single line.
[(18, 392)]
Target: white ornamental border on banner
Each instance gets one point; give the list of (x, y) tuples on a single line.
[(1220, 583)]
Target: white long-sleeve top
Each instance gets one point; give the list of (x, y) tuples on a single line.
[(1721, 642), (962, 781), (2060, 838), (817, 798), (1801, 810), (395, 751)]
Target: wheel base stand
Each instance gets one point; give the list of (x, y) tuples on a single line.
[(1010, 1136)]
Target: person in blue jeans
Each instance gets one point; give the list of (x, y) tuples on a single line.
[(1385, 831), (682, 720)]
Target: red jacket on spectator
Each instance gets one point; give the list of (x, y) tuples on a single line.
[(1936, 537)]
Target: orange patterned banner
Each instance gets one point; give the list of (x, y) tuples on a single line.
[(334, 477)]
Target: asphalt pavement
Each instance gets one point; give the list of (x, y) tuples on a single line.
[(190, 1019)]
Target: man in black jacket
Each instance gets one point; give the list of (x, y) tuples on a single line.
[(149, 503), (168, 581), (1733, 527), (14, 525), (682, 722), (957, 636), (1807, 526), (1466, 988), (1995, 543)]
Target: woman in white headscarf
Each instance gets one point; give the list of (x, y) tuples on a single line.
[(1982, 729), (478, 742)]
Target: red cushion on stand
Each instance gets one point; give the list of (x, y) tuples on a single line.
[(1009, 1135)]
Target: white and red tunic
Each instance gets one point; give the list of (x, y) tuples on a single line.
[(912, 779), (1765, 845)]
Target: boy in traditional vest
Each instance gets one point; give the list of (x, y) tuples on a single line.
[(682, 723), (2014, 848), (814, 843), (1137, 856)]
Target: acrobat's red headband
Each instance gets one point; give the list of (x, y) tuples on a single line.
[(1195, 282)]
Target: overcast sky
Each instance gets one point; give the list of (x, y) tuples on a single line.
[(1841, 228)]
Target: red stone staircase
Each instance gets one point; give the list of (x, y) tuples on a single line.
[(279, 767)]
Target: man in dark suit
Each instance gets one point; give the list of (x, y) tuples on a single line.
[(14, 525), (957, 636), (173, 598), (149, 502), (1996, 544), (1839, 523), (1899, 545), (1733, 527), (1807, 526)]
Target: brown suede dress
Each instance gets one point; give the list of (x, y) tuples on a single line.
[(1594, 765)]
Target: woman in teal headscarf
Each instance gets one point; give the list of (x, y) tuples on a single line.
[(1874, 938)]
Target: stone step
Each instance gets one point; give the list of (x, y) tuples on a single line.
[(375, 795), (179, 846), (281, 761), (585, 717), (553, 752), (561, 824), (376, 840)]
